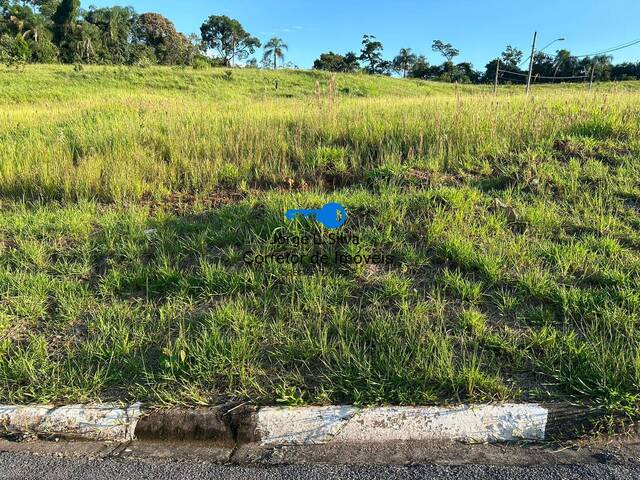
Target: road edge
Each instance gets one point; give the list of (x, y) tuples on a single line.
[(229, 425)]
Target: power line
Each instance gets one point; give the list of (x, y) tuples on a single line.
[(540, 51), (500, 72), (562, 78), (514, 73), (543, 76), (608, 50), (573, 77), (524, 61)]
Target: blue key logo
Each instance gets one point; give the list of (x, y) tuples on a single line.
[(332, 215)]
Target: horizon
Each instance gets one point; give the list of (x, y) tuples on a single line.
[(312, 29)]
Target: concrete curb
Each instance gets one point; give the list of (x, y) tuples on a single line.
[(273, 426), (89, 422), (477, 423)]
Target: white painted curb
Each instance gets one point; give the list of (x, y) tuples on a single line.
[(477, 423), (296, 426), (90, 422), (301, 426)]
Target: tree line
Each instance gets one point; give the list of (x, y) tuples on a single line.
[(511, 65), (48, 31)]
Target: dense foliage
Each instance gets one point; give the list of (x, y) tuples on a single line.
[(562, 67), (48, 31)]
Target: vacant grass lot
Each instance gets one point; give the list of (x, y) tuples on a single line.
[(129, 198)]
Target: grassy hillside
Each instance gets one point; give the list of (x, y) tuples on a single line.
[(136, 205), (127, 134), (35, 83)]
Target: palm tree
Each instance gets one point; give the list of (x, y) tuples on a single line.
[(275, 47), (405, 60)]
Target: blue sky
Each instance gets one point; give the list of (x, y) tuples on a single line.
[(480, 29)]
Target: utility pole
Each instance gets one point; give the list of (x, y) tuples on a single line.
[(495, 83), (533, 53), (593, 71)]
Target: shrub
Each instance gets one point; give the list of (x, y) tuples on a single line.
[(43, 51), (141, 55), (14, 49), (200, 63)]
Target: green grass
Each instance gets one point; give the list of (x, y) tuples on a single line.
[(129, 198)]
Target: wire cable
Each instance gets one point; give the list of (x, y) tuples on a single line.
[(514, 73), (543, 76), (616, 48), (607, 50)]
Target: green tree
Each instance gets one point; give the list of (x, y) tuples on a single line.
[(490, 71), (116, 25), (14, 49), (22, 20), (465, 73), (449, 53), (511, 57), (228, 38), (421, 68), (543, 64), (565, 64), (334, 62), (46, 7), (141, 55), (330, 61), (275, 48), (64, 20), (445, 49), (43, 51), (371, 55), (600, 65), (21, 48), (351, 62), (510, 61), (87, 42), (404, 61), (626, 71), (159, 33)]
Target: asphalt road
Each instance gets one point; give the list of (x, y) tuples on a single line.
[(28, 466)]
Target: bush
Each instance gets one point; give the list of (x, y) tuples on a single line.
[(200, 63), (44, 51), (141, 55), (219, 62), (14, 49)]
